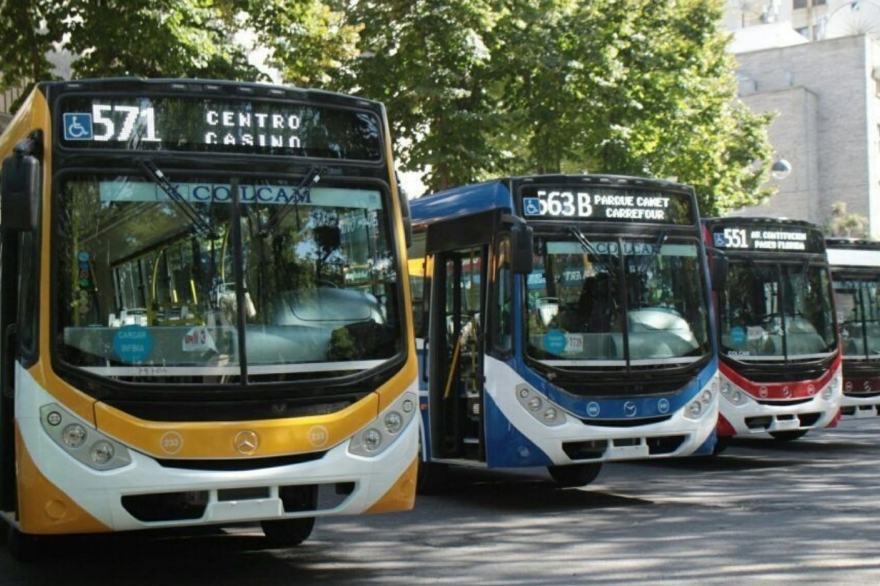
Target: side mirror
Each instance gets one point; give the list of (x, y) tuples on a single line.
[(718, 268), (522, 256), (19, 190)]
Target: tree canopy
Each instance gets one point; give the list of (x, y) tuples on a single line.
[(474, 88)]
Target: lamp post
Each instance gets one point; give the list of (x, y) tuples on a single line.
[(780, 169)]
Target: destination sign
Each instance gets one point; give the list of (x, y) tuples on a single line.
[(607, 204), (768, 238), (220, 125)]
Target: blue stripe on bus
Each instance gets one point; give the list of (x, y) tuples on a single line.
[(506, 446), (635, 408)]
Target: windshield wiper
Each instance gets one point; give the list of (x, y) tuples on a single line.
[(648, 259), (158, 177), (300, 191), (606, 260)]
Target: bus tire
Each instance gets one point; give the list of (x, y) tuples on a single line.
[(23, 547), (721, 444), (430, 477), (574, 475), (287, 532), (788, 436)]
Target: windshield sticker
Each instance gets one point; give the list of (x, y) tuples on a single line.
[(737, 336), (144, 191), (554, 342), (199, 339), (132, 343), (629, 248)]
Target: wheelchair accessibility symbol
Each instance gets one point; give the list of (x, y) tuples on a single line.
[(532, 206), (78, 126)]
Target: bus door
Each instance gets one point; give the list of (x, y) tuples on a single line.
[(456, 351)]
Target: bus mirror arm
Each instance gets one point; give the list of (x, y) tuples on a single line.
[(718, 269), (425, 361), (521, 244)]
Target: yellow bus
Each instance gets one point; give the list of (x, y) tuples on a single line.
[(204, 310)]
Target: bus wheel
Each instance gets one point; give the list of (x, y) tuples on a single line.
[(574, 475), (288, 532), (787, 436), (721, 444), (23, 547), (430, 478)]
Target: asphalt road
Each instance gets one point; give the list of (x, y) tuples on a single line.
[(805, 512)]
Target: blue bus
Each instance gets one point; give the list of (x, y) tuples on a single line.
[(562, 321)]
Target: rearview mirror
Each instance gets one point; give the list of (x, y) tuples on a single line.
[(19, 190), (521, 249), (718, 268)]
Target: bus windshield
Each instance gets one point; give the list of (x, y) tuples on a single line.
[(776, 312), (610, 303), (858, 309), (158, 286)]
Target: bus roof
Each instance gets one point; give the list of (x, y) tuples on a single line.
[(205, 86), (852, 243), (498, 193), (759, 221), (461, 201)]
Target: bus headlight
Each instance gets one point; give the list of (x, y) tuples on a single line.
[(82, 441), (702, 403), (380, 435), (539, 406), (831, 388), (732, 394)]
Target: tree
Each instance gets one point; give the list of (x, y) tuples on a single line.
[(845, 224), (641, 87), (428, 62), (28, 30)]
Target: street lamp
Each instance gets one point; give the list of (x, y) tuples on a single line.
[(780, 169)]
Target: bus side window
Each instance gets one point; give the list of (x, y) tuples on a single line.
[(502, 320), (419, 265)]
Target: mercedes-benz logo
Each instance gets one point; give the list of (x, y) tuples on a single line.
[(629, 409), (246, 442)]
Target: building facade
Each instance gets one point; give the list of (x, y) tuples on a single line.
[(816, 66)]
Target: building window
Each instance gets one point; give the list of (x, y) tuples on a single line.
[(799, 4), (803, 31)]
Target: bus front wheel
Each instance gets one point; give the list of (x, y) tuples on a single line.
[(787, 436), (288, 532), (574, 475), (722, 442)]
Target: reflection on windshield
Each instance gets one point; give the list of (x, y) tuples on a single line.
[(578, 304), (858, 311), (776, 312), (150, 292)]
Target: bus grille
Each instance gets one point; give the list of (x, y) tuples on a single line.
[(240, 464)]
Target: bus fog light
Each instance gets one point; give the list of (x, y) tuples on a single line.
[(372, 440), (74, 435), (524, 393), (385, 430), (694, 410), (725, 389), (102, 452), (550, 415), (393, 422), (706, 397), (827, 392), (534, 404)]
